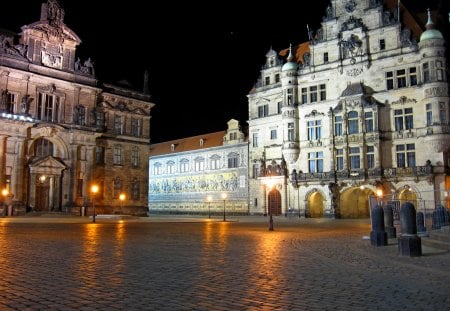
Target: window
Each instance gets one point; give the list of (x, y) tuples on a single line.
[(267, 80), (339, 159), (279, 104), (277, 78), (403, 119), (389, 80), (370, 157), (118, 126), (382, 44), (353, 127), (135, 193), (263, 111), (413, 76), (233, 136), (255, 140), (199, 164), (291, 133), (426, 72), (136, 127), (117, 155), (233, 160), (79, 117), (290, 96), (323, 92), (325, 57), (134, 157), (42, 148), (313, 94), (355, 161), (368, 121), (170, 167), (439, 71), (304, 95), (315, 162), (215, 162), (157, 168), (338, 126), (314, 130), (99, 155), (401, 78), (273, 134), (184, 166), (255, 171), (429, 114), (442, 113), (9, 103), (406, 155), (117, 187), (48, 107)]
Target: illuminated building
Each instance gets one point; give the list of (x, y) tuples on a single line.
[(193, 175), (363, 105), (61, 129)]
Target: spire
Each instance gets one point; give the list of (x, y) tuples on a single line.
[(290, 58), (430, 24), (146, 89)]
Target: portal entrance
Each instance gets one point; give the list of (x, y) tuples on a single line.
[(42, 197), (274, 202)]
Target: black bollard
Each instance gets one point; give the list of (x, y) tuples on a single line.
[(409, 244), (389, 222), (420, 219), (378, 237)]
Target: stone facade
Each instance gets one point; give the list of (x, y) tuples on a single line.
[(362, 108), (204, 174), (62, 130)]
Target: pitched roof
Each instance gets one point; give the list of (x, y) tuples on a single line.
[(188, 144)]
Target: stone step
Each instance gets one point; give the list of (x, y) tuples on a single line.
[(440, 236), (431, 242)]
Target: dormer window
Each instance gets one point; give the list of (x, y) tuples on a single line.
[(202, 141), (172, 147)]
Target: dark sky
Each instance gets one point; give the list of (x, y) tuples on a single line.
[(199, 74)]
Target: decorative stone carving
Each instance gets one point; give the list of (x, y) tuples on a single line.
[(47, 131), (354, 72)]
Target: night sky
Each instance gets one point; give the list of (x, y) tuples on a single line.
[(199, 74)]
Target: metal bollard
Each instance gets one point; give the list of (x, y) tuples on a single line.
[(409, 243)]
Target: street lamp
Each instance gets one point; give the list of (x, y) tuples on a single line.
[(379, 196), (122, 198), (209, 199), (5, 194), (94, 190), (224, 197)]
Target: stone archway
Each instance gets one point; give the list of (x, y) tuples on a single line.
[(315, 205), (408, 195), (354, 203), (274, 202)]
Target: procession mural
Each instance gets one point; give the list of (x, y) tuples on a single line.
[(229, 181)]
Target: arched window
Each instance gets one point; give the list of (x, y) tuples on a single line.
[(233, 160), (43, 147)]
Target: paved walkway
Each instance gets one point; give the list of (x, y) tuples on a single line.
[(192, 263)]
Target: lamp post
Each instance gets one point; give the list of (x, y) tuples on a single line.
[(5, 194), (122, 198), (379, 197), (224, 197), (209, 199), (94, 190)]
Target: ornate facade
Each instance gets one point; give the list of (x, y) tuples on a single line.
[(360, 109), (204, 174), (61, 130)]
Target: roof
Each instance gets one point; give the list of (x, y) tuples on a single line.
[(188, 144), (298, 51), (406, 17)]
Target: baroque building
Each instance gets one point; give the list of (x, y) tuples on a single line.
[(62, 130), (361, 109), (204, 174)]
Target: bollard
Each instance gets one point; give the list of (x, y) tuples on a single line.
[(409, 244), (378, 237), (389, 222), (420, 220)]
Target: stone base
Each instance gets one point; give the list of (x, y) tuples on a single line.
[(391, 232), (410, 245), (378, 238)]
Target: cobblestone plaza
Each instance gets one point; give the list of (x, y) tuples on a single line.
[(199, 264)]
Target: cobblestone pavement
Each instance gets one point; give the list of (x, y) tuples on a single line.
[(169, 263)]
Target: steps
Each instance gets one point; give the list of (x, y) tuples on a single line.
[(439, 239)]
